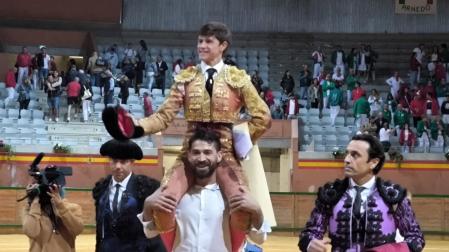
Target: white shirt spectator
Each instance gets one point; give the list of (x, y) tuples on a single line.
[(340, 78), (394, 84), (384, 135), (46, 61), (419, 54)]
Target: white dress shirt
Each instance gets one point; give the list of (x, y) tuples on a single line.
[(204, 67), (112, 189), (369, 187), (203, 222)]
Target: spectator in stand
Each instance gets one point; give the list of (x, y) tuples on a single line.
[(335, 102), (435, 125), (440, 72), (362, 57), (109, 84), (111, 58), (419, 51), (90, 68), (444, 56), (431, 105), (361, 110), (326, 87), (140, 65), (305, 80), (339, 59), (350, 81), (267, 95), (73, 97), (417, 107), (395, 83), (291, 106), (352, 60), (147, 104), (177, 67), (338, 77), (384, 136), (10, 84), (54, 91), (386, 113), (440, 91), (24, 91), (380, 120), (287, 82), (423, 134), (414, 68), (400, 118), (123, 83), (257, 81), (277, 112), (130, 53), (407, 139), (433, 60), (370, 127), (445, 113), (429, 89), (440, 139), (375, 102), (71, 74), (151, 71), (23, 62), (318, 61), (314, 95), (86, 99), (391, 103), (405, 97), (53, 67), (161, 68), (373, 56), (43, 63), (129, 69), (357, 92)]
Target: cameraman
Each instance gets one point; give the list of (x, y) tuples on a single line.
[(51, 222)]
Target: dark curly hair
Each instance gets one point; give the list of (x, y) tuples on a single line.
[(205, 135)]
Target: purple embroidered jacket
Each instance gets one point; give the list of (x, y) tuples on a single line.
[(387, 209)]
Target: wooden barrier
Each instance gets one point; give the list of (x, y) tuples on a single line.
[(292, 210)]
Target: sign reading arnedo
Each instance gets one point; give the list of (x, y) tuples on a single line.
[(420, 7)]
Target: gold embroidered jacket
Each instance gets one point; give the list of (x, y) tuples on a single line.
[(232, 90)]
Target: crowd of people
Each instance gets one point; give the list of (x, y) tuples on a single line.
[(40, 72), (415, 110)]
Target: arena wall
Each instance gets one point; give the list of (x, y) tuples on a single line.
[(298, 16)]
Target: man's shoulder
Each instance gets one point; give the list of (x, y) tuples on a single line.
[(235, 77), (390, 192), (100, 187), (187, 75), (330, 193)]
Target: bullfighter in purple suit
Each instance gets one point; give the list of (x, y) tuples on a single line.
[(362, 212)]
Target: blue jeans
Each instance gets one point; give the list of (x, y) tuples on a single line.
[(53, 102)]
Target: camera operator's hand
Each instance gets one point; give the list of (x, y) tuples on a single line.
[(31, 187), (54, 194)]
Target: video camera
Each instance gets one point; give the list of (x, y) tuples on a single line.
[(51, 175)]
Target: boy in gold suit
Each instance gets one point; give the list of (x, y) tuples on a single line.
[(212, 95)]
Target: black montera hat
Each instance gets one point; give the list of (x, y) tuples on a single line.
[(124, 149)]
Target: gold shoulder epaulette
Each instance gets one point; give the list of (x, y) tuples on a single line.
[(186, 75), (235, 77)]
